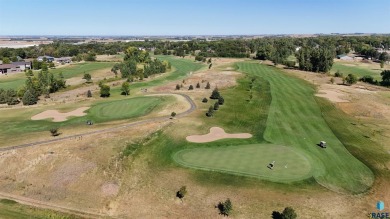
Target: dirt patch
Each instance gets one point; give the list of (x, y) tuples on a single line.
[(332, 95), (216, 133), (58, 116), (110, 189)]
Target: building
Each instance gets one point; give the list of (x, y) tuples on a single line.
[(14, 67), (48, 58), (23, 65), (9, 68), (345, 57), (63, 60)]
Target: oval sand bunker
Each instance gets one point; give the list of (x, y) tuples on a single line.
[(60, 117), (216, 133)]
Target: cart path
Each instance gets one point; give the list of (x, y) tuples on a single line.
[(122, 126)]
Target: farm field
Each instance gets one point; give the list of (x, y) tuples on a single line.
[(17, 80), (295, 120)]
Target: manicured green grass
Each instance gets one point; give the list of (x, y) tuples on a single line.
[(295, 120), (249, 160), (359, 71), (123, 109), (17, 80), (14, 210)]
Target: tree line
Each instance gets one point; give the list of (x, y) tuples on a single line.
[(134, 57)]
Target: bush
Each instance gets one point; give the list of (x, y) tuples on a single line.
[(208, 85), (104, 90), (205, 100), (368, 79), (210, 113), (216, 106), (89, 93), (215, 94), (191, 87), (225, 208), (173, 114), (198, 85), (351, 79), (182, 192), (221, 101), (338, 74), (177, 87), (290, 64), (54, 132)]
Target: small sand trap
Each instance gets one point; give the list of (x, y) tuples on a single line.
[(216, 133), (110, 189), (59, 117), (333, 96)]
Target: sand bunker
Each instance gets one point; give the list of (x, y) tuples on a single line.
[(216, 133), (59, 117)]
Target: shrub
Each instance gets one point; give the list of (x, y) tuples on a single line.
[(216, 105), (205, 100), (89, 93), (173, 114), (104, 90), (210, 113), (177, 87), (198, 85), (191, 87), (208, 85), (215, 94), (54, 132), (368, 79), (338, 74), (351, 79), (290, 64), (182, 192), (225, 208), (221, 101)]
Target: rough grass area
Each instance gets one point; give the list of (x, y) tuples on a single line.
[(249, 160), (359, 71), (12, 210)]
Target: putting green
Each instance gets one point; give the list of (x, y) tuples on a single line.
[(124, 109), (249, 160)]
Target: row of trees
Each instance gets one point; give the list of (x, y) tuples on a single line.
[(315, 59), (279, 47), (133, 57), (215, 95)]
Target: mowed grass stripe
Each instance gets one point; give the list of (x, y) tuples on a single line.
[(249, 160), (337, 168)]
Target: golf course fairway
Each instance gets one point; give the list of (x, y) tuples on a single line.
[(296, 122)]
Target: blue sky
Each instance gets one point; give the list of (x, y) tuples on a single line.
[(188, 17)]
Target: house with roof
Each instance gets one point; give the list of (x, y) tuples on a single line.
[(47, 58), (63, 60), (14, 67), (345, 57)]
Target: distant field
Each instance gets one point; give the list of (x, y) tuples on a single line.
[(357, 70), (17, 80)]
